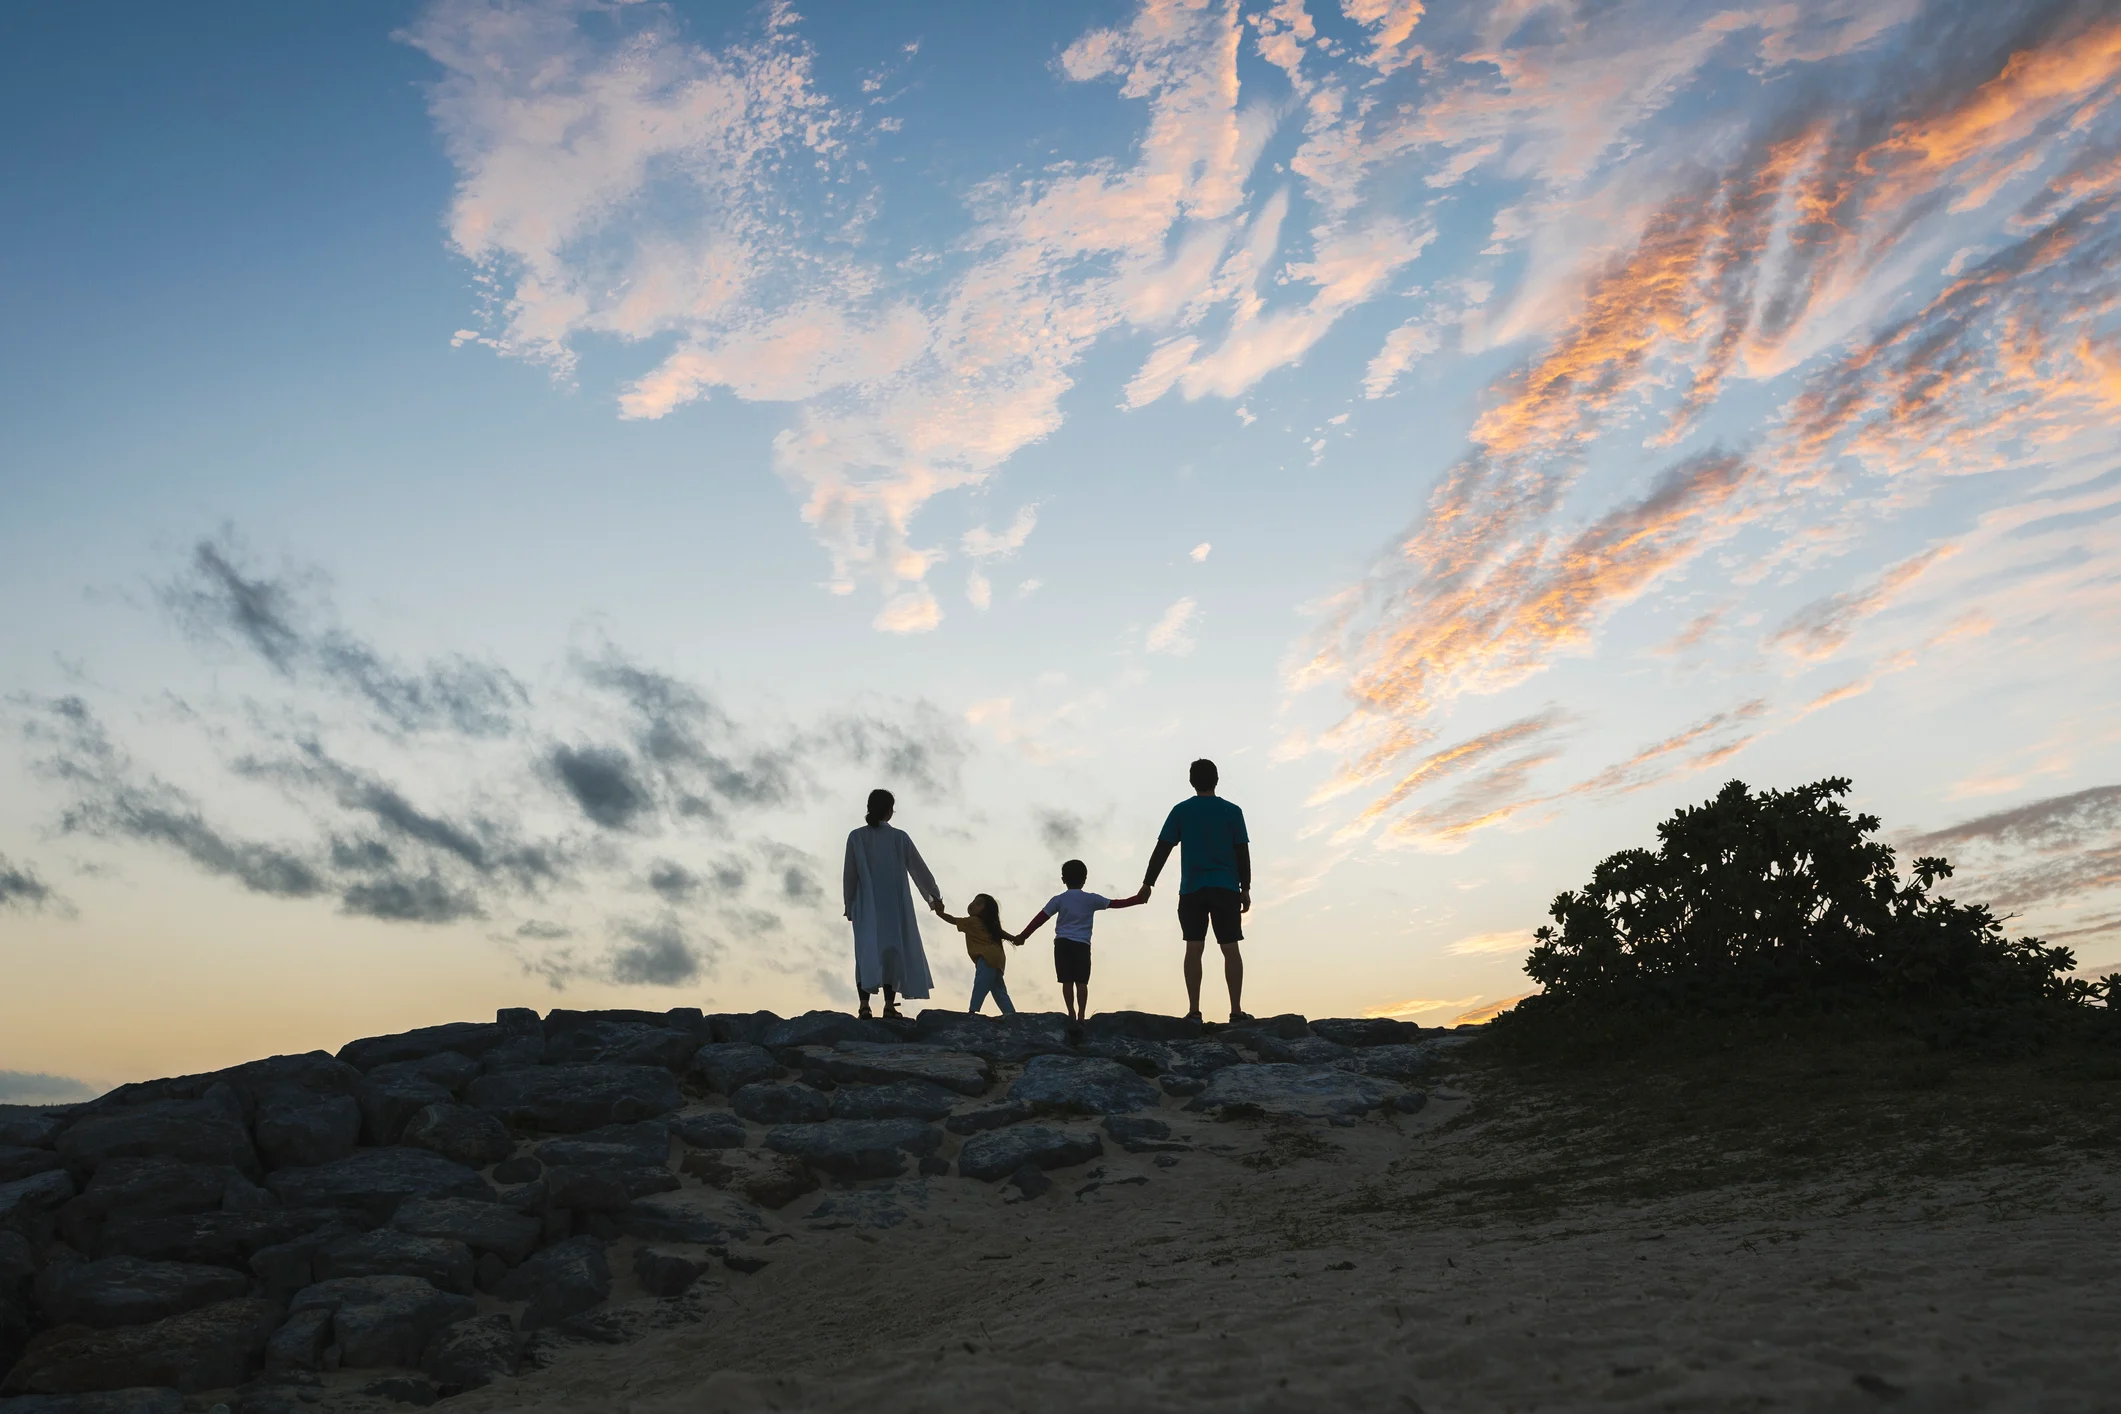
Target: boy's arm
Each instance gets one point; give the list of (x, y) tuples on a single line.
[(1142, 897), (1033, 925)]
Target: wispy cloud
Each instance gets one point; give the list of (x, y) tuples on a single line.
[(21, 888), (35, 1087), (1173, 633)]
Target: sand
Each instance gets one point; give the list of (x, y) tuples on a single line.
[(1280, 1267)]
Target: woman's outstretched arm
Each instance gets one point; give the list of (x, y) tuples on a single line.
[(922, 879)]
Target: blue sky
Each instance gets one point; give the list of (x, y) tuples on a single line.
[(490, 486)]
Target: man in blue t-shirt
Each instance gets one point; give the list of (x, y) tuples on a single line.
[(1214, 881)]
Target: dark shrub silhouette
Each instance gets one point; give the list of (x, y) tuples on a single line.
[(1783, 900)]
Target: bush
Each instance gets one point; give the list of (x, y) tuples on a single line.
[(1784, 900)]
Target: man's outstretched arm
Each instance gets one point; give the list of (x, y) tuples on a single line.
[(1156, 864)]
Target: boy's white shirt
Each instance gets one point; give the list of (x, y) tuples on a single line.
[(1072, 911)]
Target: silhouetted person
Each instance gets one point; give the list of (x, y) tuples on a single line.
[(887, 934), (1214, 881)]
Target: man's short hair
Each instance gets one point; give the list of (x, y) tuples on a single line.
[(1202, 774), (1074, 872)]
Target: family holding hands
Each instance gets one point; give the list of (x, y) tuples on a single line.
[(1214, 890)]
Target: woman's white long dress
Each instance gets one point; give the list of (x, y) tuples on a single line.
[(887, 933)]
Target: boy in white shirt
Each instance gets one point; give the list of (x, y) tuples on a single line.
[(1074, 910)]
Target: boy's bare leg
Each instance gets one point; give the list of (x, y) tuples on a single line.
[(1082, 1001), (1233, 973), (1193, 952)]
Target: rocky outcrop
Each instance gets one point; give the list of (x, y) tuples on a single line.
[(1000, 1153), (1082, 1085), (568, 1099)]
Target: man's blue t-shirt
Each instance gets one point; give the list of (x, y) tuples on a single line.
[(1207, 829)]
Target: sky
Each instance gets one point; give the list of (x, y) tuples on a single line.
[(488, 486)]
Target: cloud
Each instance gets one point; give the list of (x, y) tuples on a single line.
[(424, 900), (1199, 553), (656, 954), (35, 1087), (1417, 1006), (603, 783), (1478, 944), (1709, 742), (984, 544), (21, 888), (1173, 632), (1481, 1015), (1819, 629), (2057, 822), (1061, 831)]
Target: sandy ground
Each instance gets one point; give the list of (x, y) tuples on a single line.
[(1281, 1268)]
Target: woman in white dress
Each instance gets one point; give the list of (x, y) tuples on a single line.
[(887, 935)]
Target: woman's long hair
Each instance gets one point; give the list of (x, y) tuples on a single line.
[(881, 804), (986, 910)]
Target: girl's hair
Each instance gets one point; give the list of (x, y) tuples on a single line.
[(881, 803), (987, 911)]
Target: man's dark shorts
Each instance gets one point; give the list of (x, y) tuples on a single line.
[(1071, 960), (1204, 906)]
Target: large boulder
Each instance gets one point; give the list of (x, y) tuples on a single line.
[(1304, 1050), (1313, 1091), (1394, 1062), (1141, 1026), (286, 1267), (560, 1021), (298, 1129), (1139, 1134), (1366, 1030), (125, 1291), (115, 1401), (874, 1063), (567, 1099), (209, 1130), (1287, 1026), (904, 1099), (33, 1126), (1201, 1059), (748, 1027), (392, 1094), (460, 1134), (621, 1043), (729, 1066), (375, 1181), (767, 1103), (442, 1261), (1082, 1085), (142, 1188), (472, 1353), (692, 1215), (823, 1028), (603, 1189), (483, 1227), (217, 1239), (638, 1145), (27, 1204), (768, 1179), (470, 1038), (999, 1040), (382, 1320), (710, 1129), (988, 1117), (16, 1162), (1147, 1058), (1001, 1152), (210, 1348), (857, 1148), (564, 1280)]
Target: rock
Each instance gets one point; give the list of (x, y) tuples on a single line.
[(23, 1163), (618, 1145), (521, 1169), (564, 1280), (766, 1103), (142, 1188), (300, 1342), (392, 1095), (483, 1227), (296, 1134), (991, 1117), (32, 1126), (125, 1291), (448, 1069), (712, 1129), (26, 1204), (286, 1267), (727, 1067), (665, 1274), (115, 1401), (1146, 1058), (1315, 1091), (998, 1154), (744, 1266), (375, 1181), (1366, 1031), (1394, 1062), (210, 1348), (1082, 1085), (469, 1038), (1140, 1025), (488, 1272), (208, 1130), (241, 1195), (460, 1134), (473, 1353), (621, 1043), (693, 1216), (515, 1053), (1181, 1085), (997, 1039), (441, 1261), (1030, 1181), (1138, 1134), (1305, 1050), (1287, 1027), (905, 1099), (403, 1389), (604, 1190), (560, 1021), (1202, 1058), (567, 1099), (857, 1148), (1411, 1103), (747, 1027), (823, 1028), (876, 1063), (217, 1239), (382, 1320), (768, 1179)]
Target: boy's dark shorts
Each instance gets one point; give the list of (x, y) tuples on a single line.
[(1071, 960), (1204, 906)]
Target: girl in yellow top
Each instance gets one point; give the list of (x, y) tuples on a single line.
[(982, 927)]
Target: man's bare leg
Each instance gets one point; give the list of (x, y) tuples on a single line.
[(1193, 952), (1233, 973)]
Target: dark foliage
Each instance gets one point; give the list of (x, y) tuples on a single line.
[(1781, 901)]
